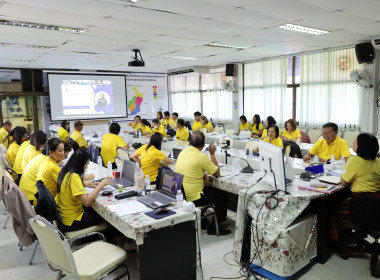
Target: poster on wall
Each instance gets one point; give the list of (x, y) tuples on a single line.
[(147, 93)]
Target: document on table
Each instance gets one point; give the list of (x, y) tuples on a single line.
[(128, 208), (105, 189)]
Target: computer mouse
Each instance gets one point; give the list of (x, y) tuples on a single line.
[(161, 211)]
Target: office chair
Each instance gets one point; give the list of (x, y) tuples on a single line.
[(73, 144), (350, 136), (218, 129), (314, 133), (122, 153)]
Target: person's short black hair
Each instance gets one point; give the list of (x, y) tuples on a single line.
[(67, 147), (155, 121), (334, 126), (243, 118), (38, 139), (271, 121), (368, 146), (276, 129), (137, 116), (181, 122), (114, 128), (175, 114), (197, 139), (166, 113), (7, 123), (197, 114)]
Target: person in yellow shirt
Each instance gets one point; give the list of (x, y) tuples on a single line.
[(160, 117), (4, 131), (72, 199), (136, 124), (362, 172), (149, 157), (77, 135), (193, 165), (49, 169), (257, 126), (291, 132), (196, 124), (182, 132), (146, 128), (244, 125), (268, 122), (175, 119), (64, 130), (273, 136), (110, 143), (206, 124), (19, 134), (37, 142), (29, 176), (19, 156), (168, 122), (158, 127), (330, 145)]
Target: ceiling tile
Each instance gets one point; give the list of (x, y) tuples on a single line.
[(337, 4), (372, 29), (179, 41), (369, 10)]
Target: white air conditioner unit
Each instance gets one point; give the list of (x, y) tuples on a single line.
[(376, 43)]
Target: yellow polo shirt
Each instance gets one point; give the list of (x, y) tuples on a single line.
[(12, 152), (146, 129), (277, 142), (175, 123), (3, 134), (136, 126), (244, 126), (161, 121), (338, 148), (293, 135), (78, 137), (182, 134), (193, 164), (68, 204), (169, 122), (254, 130), (196, 125), (19, 156), (109, 146), (160, 129), (48, 174), (364, 175), (30, 153), (207, 126), (265, 133), (62, 133), (29, 177), (150, 160)]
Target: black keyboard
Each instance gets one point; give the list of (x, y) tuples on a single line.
[(154, 197)]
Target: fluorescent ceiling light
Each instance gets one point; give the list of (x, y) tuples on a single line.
[(302, 29), (42, 26), (179, 57), (226, 46), (16, 60), (130, 1), (26, 46)]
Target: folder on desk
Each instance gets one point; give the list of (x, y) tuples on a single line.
[(321, 190)]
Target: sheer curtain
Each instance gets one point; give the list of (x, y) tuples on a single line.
[(326, 90), (185, 95), (265, 90)]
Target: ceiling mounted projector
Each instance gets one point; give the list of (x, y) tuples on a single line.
[(137, 62)]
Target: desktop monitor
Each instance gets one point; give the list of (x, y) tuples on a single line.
[(272, 162)]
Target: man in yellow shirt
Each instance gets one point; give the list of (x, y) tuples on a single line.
[(136, 124), (158, 127), (182, 132), (4, 131), (168, 123), (110, 143), (330, 145), (175, 119), (196, 124), (194, 164), (77, 135)]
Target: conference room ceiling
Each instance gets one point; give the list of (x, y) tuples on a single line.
[(175, 28)]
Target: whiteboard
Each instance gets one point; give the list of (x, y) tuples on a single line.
[(147, 93)]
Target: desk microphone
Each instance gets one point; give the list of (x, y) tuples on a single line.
[(248, 168), (308, 175)]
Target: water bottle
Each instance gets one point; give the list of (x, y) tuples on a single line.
[(316, 159), (179, 198), (298, 141), (100, 165), (139, 176), (109, 167), (147, 183), (236, 165)]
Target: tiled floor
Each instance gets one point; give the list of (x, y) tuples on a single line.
[(14, 263)]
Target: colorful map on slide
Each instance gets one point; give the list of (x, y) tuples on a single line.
[(135, 103)]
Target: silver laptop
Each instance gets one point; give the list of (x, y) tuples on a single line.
[(127, 176)]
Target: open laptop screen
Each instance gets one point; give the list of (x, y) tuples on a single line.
[(129, 170), (170, 182)]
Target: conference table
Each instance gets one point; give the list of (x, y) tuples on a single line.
[(159, 242)]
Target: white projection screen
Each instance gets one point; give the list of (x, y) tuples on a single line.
[(87, 96)]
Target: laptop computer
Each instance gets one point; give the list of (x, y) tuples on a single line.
[(176, 153), (127, 176), (170, 183)]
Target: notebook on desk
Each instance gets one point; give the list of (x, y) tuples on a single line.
[(330, 179)]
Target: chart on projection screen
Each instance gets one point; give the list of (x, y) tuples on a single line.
[(147, 93)]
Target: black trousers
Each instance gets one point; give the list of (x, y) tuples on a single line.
[(213, 196), (89, 218)]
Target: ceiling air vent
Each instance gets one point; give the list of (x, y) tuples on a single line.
[(376, 43)]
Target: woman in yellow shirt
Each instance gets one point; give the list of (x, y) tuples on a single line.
[(49, 169), (182, 132), (136, 124), (291, 132), (244, 125), (110, 143), (257, 126), (206, 124), (158, 127), (72, 199), (37, 142), (64, 131), (268, 122), (273, 133), (149, 156), (146, 128), (160, 117), (19, 135), (18, 160)]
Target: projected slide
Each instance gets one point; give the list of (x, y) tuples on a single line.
[(86, 97)]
